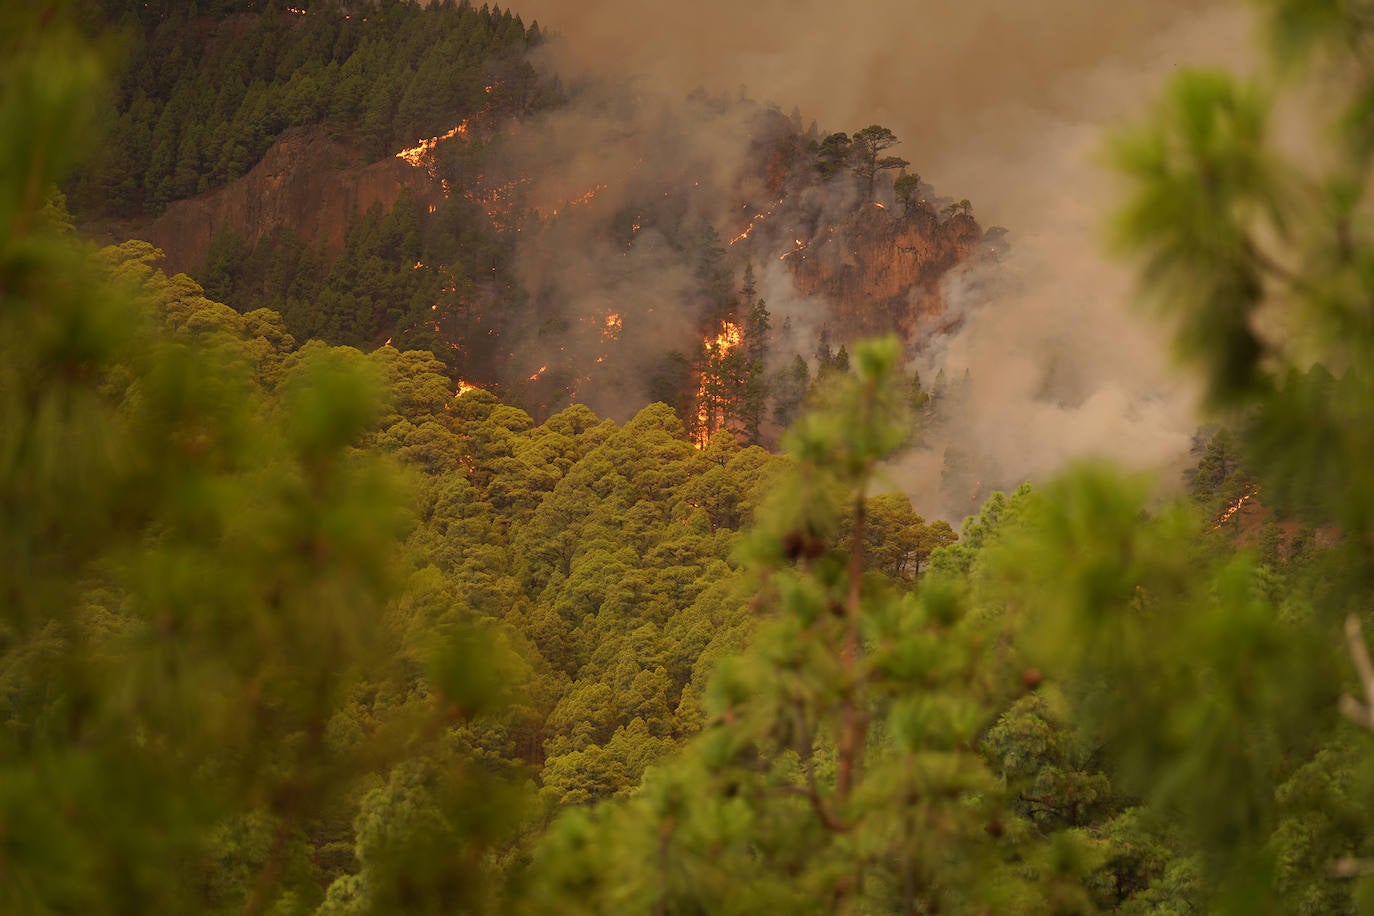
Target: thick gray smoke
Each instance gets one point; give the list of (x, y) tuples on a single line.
[(1001, 102), (616, 165)]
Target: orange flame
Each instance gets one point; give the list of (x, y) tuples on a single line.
[(612, 328), (421, 154), (709, 416), (586, 198), (753, 223), (535, 376), (464, 388), (749, 230), (1235, 506), (730, 336), (498, 200)]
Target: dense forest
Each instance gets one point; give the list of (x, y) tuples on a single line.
[(429, 118), (210, 86), (207, 89), (295, 625)]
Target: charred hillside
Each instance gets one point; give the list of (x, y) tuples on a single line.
[(874, 247), (308, 184), (207, 89), (419, 185), (882, 269)]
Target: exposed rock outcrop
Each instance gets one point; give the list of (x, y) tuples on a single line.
[(881, 270), (307, 182)]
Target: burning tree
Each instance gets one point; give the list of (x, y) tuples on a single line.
[(732, 389), (721, 377)]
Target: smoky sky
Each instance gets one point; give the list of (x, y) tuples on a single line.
[(1004, 103), (937, 72)]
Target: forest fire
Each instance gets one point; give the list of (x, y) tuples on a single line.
[(611, 330), (749, 230), (710, 409), (730, 336), (753, 223), (586, 198), (450, 282), (536, 375), (497, 201), (1236, 506), (464, 388), (421, 155)]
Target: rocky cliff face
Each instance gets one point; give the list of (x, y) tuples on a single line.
[(881, 270), (307, 182), (877, 267)]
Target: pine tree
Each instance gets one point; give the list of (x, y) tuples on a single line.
[(838, 770), (197, 570), (1210, 680), (754, 395)]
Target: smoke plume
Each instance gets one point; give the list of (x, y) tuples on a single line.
[(1002, 103)]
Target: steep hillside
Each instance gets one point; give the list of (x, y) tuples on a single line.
[(882, 268), (207, 89), (599, 245), (307, 183)]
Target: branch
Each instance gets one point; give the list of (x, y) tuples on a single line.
[(828, 818), (853, 724), (1267, 264), (1361, 714), (813, 791)]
